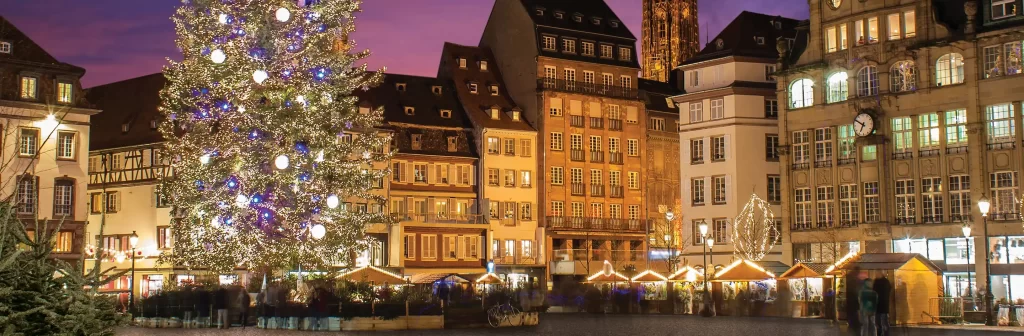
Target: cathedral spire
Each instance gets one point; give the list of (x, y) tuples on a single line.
[(670, 36)]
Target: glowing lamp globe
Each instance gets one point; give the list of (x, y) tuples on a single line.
[(317, 231), (241, 201), (259, 76), (281, 162), (333, 201), (282, 14), (222, 18), (218, 56), (204, 159)]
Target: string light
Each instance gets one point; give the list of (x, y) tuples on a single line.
[(651, 273), (754, 233)]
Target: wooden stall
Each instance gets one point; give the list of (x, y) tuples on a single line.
[(739, 286), (805, 285), (914, 280), (374, 275), (652, 291), (685, 287)]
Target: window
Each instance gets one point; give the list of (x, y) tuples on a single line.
[(29, 88), (525, 147), (1003, 186), (28, 145), (848, 205), (831, 44), (429, 244), (596, 210), (717, 108), (928, 131), (510, 147), (696, 112), (595, 143), (626, 82), (634, 180), (802, 206), (774, 189), (718, 148), (453, 144), (570, 77), (872, 210), (906, 202), (615, 211), (557, 208), (615, 178), (694, 77), (613, 145), (633, 211), (492, 176), (65, 145), (823, 144), (625, 54), (771, 147), (847, 142), (769, 70), (5, 47), (959, 198), (992, 61), (825, 204), (568, 45), (555, 108), (510, 178), (837, 87), (931, 200), (557, 174), (112, 201), (721, 231), (549, 43), (697, 150), (771, 108), (588, 48), (606, 51), (588, 77), (163, 237), (868, 153), (525, 178), (909, 24), (63, 198), (526, 211), (868, 36), (801, 93), (556, 141), (867, 81), (956, 127), (698, 240), (842, 37), (697, 191), (949, 69), (419, 173), (903, 77), (657, 124), (1002, 9), (464, 172), (64, 91), (903, 138), (893, 23), (607, 80), (526, 248), (417, 141), (801, 147), (718, 191), (576, 141), (576, 209), (632, 147), (1000, 123)]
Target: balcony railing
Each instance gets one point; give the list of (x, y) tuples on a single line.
[(596, 224), (615, 158), (515, 260), (928, 152), (597, 190), (616, 191), (586, 88), (596, 157), (902, 155), (801, 166), (905, 220), (801, 226), (577, 155), (960, 218), (1004, 216), (509, 221), (956, 150), (596, 255), (596, 123), (576, 121), (578, 189), (614, 124), (445, 218), (847, 161), (931, 219), (824, 224), (1009, 144), (848, 223), (823, 163)]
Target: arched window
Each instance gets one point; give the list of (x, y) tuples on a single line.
[(903, 77), (949, 69), (837, 87), (867, 81), (801, 93)]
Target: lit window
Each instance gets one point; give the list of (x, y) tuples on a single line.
[(1002, 9), (902, 134), (28, 87), (949, 69), (904, 76), (569, 45), (625, 54), (65, 145), (867, 81), (831, 44), (28, 144), (5, 47), (549, 43), (1000, 126), (893, 21), (837, 87), (928, 130), (909, 24), (801, 93), (27, 194), (64, 92), (956, 127)]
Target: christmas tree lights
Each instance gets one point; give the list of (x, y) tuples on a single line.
[(258, 165)]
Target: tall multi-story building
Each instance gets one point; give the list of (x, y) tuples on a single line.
[(898, 117), (661, 187), (670, 34), (729, 133), (508, 162), (45, 131), (572, 67)]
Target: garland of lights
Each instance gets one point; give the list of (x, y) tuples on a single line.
[(256, 116), (754, 232)]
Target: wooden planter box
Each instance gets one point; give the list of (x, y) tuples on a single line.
[(400, 323), (425, 322)]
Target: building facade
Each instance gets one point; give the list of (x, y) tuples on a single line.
[(45, 119), (573, 70), (728, 136), (670, 33), (661, 186), (897, 118)]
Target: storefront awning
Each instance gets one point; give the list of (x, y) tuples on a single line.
[(373, 275), (805, 270), (743, 270)]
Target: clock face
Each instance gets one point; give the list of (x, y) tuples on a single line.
[(863, 124)]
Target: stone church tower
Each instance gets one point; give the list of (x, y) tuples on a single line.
[(670, 36)]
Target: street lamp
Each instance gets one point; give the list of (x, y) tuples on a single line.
[(708, 309), (983, 205), (133, 240), (967, 238)]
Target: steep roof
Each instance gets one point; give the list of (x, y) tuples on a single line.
[(655, 95), (134, 102), (24, 49), (885, 261), (588, 8), (478, 104), (740, 37)]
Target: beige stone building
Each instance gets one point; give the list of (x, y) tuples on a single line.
[(897, 117)]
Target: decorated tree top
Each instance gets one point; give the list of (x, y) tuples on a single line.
[(264, 134)]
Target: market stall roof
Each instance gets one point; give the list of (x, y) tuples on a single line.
[(372, 274), (686, 273), (880, 261), (805, 270), (602, 276), (776, 267), (486, 279), (429, 278), (648, 276), (743, 270)]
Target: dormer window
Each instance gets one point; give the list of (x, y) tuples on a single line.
[(759, 39), (670, 103), (558, 15), (577, 17), (400, 87), (436, 89), (495, 113), (483, 65), (472, 88), (596, 20), (494, 89), (462, 63), (777, 24), (515, 115), (409, 110), (447, 114), (153, 124), (417, 141), (539, 11), (5, 47), (28, 87), (613, 23), (453, 144), (124, 127)]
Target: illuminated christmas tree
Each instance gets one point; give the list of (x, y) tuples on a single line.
[(264, 134)]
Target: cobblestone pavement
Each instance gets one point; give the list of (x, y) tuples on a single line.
[(586, 325)]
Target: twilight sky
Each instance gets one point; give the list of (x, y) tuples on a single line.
[(120, 39)]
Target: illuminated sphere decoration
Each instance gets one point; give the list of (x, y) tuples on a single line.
[(281, 162), (241, 201), (204, 159), (218, 56), (754, 232), (222, 18), (259, 76), (333, 201), (283, 14), (317, 231)]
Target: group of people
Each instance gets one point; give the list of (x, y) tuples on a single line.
[(867, 305)]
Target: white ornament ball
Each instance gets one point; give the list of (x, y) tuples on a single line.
[(283, 14), (217, 56), (333, 201), (318, 231), (281, 162), (222, 18), (259, 76), (215, 221), (241, 109), (241, 201), (301, 99), (319, 156), (204, 159)]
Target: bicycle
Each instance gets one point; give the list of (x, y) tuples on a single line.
[(504, 312)]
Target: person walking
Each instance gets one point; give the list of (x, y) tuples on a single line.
[(883, 287), (852, 304), (220, 306), (243, 301), (868, 308)]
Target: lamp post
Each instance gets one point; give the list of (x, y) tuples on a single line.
[(967, 238), (983, 205), (133, 240), (709, 307), (669, 216)]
